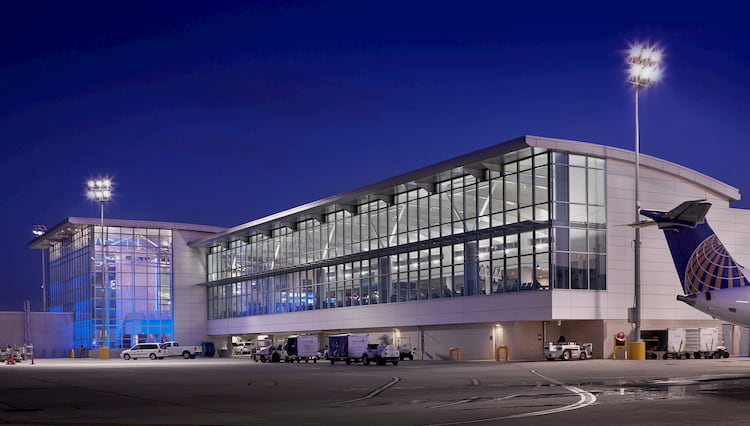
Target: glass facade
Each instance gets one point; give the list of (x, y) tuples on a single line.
[(486, 233), (125, 283)]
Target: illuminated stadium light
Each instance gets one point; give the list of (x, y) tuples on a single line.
[(99, 190), (645, 62)]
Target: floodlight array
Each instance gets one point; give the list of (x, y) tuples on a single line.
[(644, 61), (100, 189)]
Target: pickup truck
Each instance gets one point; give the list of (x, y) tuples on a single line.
[(174, 349)]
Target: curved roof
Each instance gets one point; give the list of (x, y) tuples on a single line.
[(475, 163), (729, 192)]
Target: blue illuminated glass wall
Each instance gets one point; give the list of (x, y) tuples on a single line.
[(120, 291)]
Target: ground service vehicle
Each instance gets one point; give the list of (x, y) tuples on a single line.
[(187, 352), (261, 349), (265, 350), (381, 354), (346, 347), (143, 350), (405, 347), (405, 353), (681, 343), (567, 351), (302, 348), (11, 354)]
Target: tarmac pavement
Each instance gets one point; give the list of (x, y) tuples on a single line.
[(238, 391)]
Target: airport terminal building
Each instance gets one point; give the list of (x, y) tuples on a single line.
[(511, 245)]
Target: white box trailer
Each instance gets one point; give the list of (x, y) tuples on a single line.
[(300, 348), (347, 347)]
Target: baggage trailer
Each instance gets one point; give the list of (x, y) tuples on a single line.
[(665, 344), (707, 343), (683, 343), (346, 347), (302, 348)]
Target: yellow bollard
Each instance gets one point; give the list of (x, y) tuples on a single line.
[(638, 350), (72, 353), (458, 353), (501, 348)]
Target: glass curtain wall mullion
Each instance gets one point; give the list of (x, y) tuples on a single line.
[(579, 221)]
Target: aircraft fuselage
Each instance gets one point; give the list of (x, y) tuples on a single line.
[(727, 304)]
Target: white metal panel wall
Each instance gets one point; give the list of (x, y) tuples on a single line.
[(190, 300), (458, 310)]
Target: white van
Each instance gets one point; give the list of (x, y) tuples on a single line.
[(142, 350)]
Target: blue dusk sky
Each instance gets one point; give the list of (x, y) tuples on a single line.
[(219, 113)]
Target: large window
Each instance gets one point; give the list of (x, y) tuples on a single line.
[(579, 222), (492, 233)]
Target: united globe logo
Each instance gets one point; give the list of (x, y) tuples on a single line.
[(711, 267)]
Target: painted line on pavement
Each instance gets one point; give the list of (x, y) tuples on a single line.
[(462, 401), (586, 399), (373, 393)]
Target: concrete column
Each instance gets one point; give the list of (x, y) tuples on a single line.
[(736, 337), (471, 268), (384, 270)]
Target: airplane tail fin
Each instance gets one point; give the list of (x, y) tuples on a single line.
[(701, 260)]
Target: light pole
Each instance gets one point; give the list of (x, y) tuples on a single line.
[(644, 61), (100, 190), (39, 229)]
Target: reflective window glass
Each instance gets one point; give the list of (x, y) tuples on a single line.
[(578, 271), (577, 185)]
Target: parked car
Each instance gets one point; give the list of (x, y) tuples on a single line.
[(142, 350)]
